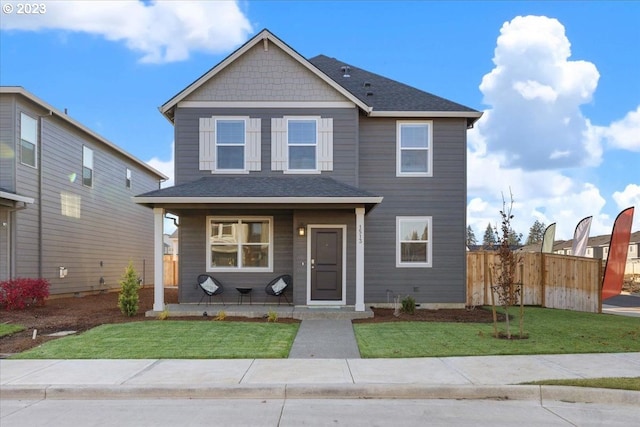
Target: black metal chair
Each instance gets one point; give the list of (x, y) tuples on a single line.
[(278, 286), (211, 287)]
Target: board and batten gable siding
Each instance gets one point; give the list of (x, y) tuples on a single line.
[(261, 75), (187, 137), (8, 143), (192, 247), (442, 196), (106, 229)]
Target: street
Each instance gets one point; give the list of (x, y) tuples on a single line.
[(311, 412)]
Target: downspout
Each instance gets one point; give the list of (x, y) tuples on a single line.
[(40, 179)]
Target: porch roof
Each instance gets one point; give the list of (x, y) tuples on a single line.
[(261, 190)]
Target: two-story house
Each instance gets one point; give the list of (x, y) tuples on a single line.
[(66, 208), (352, 183)]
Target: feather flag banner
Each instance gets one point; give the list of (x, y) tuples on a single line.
[(548, 239), (617, 258), (581, 237)]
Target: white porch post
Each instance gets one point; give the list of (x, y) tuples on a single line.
[(158, 268), (359, 259)]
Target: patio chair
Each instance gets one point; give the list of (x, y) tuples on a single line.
[(211, 287), (278, 286)]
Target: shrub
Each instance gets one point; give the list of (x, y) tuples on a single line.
[(272, 316), (21, 292), (221, 315), (128, 297), (409, 305)]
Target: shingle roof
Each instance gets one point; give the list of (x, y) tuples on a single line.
[(381, 93), (261, 187)]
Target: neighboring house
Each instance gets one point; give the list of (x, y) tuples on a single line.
[(353, 183), (66, 209)]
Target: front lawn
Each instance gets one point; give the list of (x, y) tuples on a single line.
[(550, 332), (8, 329), (172, 340)]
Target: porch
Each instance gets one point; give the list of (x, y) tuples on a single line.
[(262, 311)]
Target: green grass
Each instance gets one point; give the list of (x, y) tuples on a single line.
[(550, 332), (172, 340), (8, 329), (616, 383)]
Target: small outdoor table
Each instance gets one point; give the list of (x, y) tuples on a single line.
[(242, 292)]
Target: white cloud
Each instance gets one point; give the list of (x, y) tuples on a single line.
[(624, 133), (162, 31), (535, 93), (630, 196), (165, 166)]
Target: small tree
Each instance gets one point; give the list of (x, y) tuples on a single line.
[(507, 290), (471, 237), (128, 297), (536, 233), (489, 238)]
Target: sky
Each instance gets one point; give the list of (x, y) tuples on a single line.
[(558, 82)]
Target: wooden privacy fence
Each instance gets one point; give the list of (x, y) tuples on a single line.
[(550, 280), (170, 266)]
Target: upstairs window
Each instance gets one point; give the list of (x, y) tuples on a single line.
[(87, 166), (229, 144), (414, 152), (128, 178), (302, 138), (28, 140), (413, 243), (230, 139)]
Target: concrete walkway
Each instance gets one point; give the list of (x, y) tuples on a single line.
[(486, 377), (325, 339)]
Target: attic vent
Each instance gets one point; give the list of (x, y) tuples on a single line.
[(345, 71), (367, 84), (369, 93)]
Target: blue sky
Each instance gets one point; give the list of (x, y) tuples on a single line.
[(558, 81)]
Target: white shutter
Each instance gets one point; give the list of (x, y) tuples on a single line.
[(278, 144), (325, 144), (252, 145), (207, 143)]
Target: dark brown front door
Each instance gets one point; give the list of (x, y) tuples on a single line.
[(326, 264)]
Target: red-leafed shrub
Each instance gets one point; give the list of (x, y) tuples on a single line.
[(22, 292)]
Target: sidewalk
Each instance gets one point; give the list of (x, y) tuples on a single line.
[(485, 377)]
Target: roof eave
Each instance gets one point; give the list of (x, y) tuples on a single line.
[(257, 200), (19, 90)]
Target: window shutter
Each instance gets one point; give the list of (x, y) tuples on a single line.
[(207, 143), (325, 144), (278, 144), (252, 146)]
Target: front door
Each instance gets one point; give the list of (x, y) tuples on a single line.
[(326, 264)]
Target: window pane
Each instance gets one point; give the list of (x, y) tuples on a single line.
[(255, 256), (413, 252), (224, 232), (87, 157), (230, 157), (28, 153), (224, 256), (414, 230), (87, 177), (28, 128), (257, 232), (414, 160), (413, 136), (230, 131), (302, 158), (302, 132)]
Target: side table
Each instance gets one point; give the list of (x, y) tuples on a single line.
[(242, 292)]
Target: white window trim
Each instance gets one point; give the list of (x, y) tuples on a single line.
[(429, 148), (268, 269), (34, 143), (316, 170), (244, 144), (428, 264)]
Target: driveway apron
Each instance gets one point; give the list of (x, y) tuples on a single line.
[(325, 339)]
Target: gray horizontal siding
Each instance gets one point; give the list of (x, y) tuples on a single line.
[(8, 143), (442, 197), (193, 247), (344, 139), (111, 229)]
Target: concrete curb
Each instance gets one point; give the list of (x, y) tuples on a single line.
[(544, 393)]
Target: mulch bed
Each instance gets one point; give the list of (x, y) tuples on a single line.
[(82, 313)]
